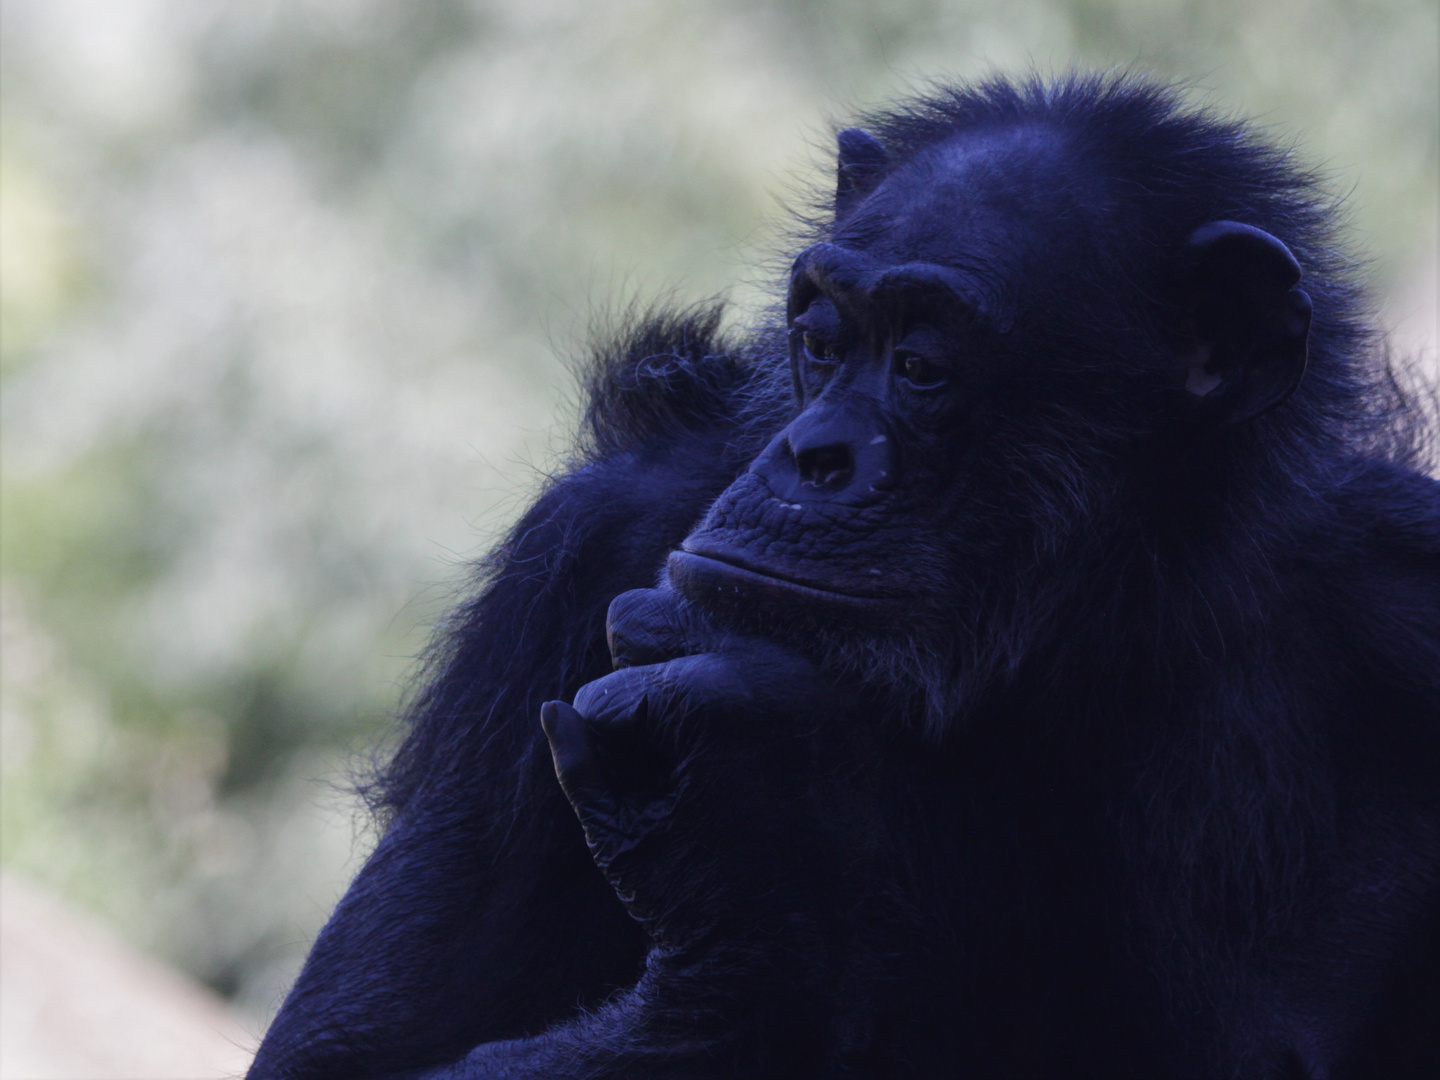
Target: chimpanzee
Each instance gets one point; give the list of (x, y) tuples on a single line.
[(1021, 661)]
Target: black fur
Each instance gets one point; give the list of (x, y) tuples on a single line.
[(1159, 798)]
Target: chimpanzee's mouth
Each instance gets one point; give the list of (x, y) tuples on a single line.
[(722, 580)]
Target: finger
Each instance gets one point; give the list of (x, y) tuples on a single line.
[(572, 748), (649, 626), (614, 699)]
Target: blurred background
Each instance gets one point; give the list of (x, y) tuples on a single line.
[(291, 294)]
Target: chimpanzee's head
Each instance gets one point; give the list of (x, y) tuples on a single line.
[(1001, 330)]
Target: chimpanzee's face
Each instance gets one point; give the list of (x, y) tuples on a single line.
[(902, 328), (983, 353)]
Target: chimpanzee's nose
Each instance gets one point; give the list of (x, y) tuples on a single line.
[(829, 467), (830, 452)]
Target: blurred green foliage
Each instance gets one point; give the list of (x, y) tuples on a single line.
[(288, 291)]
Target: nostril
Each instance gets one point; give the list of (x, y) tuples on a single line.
[(826, 466)]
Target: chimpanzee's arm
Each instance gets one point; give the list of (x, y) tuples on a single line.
[(480, 915), (719, 780)]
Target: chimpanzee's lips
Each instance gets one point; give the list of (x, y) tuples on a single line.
[(719, 578)]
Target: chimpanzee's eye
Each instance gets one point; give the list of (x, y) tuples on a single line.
[(921, 358), (922, 372), (819, 349)]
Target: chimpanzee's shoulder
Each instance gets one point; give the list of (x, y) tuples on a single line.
[(1381, 579), (672, 376), (1394, 510)]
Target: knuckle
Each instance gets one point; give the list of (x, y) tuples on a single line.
[(642, 611), (616, 696), (642, 626)]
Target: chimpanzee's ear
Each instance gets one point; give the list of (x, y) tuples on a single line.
[(1251, 323), (859, 167)]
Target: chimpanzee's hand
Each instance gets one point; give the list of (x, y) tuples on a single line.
[(708, 774)]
